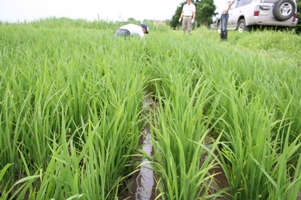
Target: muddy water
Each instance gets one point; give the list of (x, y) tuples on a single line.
[(220, 181), (142, 185), (145, 179)]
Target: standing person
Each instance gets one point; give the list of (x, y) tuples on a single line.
[(132, 29), (224, 18), (188, 14)]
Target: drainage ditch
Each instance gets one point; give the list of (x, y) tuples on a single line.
[(143, 184)]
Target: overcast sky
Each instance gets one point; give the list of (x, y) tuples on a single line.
[(21, 10), (109, 10)]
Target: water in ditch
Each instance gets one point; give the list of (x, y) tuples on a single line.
[(145, 179)]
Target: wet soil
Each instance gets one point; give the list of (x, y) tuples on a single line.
[(142, 184), (220, 179)]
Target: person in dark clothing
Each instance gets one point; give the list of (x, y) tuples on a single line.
[(224, 18)]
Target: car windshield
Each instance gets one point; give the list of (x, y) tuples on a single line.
[(269, 1)]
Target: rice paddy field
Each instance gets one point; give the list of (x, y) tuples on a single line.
[(72, 112)]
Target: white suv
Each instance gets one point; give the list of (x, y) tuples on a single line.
[(246, 14)]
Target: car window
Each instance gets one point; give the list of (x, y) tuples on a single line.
[(233, 4), (246, 2), (239, 3), (269, 1)]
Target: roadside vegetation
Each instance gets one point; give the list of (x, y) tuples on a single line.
[(71, 98)]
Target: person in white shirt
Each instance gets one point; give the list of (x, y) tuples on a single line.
[(132, 29), (224, 18), (188, 15)]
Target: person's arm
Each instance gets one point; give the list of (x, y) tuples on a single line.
[(193, 15), (181, 15), (230, 4)]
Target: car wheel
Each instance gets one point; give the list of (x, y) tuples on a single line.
[(284, 9), (241, 25)]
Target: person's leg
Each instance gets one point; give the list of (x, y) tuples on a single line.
[(226, 29), (224, 23), (184, 24), (189, 25), (122, 32), (223, 26)]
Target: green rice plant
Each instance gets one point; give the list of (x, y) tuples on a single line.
[(246, 135), (71, 101), (250, 77), (287, 101), (4, 190), (59, 97), (252, 142), (281, 184), (276, 44), (181, 137)]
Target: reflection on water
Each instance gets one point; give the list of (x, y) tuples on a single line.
[(145, 179)]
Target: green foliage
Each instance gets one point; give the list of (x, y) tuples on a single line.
[(174, 22), (205, 11), (133, 21), (71, 104), (60, 108)]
